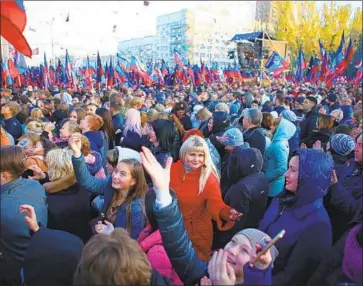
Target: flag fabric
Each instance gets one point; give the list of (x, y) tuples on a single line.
[(46, 79), (5, 74), (276, 64), (88, 74), (358, 76), (100, 72), (110, 75), (20, 62), (13, 22), (339, 54), (69, 80), (301, 65), (324, 70), (177, 59), (342, 66)]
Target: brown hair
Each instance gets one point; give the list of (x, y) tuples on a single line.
[(325, 122), (73, 126), (136, 103), (204, 114), (63, 106), (30, 119), (267, 120), (114, 259), (85, 149), (95, 122), (358, 115), (12, 160), (32, 137), (275, 124), (81, 114), (112, 157)]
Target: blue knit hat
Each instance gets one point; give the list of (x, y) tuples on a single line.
[(232, 137), (342, 144), (289, 115)]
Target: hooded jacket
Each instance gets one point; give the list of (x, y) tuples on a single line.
[(94, 165), (221, 123), (12, 126), (152, 244), (303, 216), (96, 140), (52, 258), (347, 114), (247, 189), (276, 157)]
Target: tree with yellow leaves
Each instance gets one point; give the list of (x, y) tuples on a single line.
[(302, 23)]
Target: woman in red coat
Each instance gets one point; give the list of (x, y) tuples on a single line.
[(195, 180)]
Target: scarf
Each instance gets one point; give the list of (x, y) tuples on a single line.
[(352, 260)]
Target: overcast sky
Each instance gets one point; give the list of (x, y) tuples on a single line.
[(90, 26)]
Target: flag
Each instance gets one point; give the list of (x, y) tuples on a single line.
[(301, 65), (13, 22), (177, 59), (35, 52), (13, 71), (20, 62), (88, 74), (110, 75), (69, 80), (123, 63), (100, 71), (342, 66), (324, 62), (276, 64), (46, 79), (5, 74), (339, 54)]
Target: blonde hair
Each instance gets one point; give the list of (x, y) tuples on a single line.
[(59, 162), (198, 144), (37, 113), (204, 114), (34, 127)]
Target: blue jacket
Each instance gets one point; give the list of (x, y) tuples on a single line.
[(95, 140), (104, 186), (132, 140), (118, 121), (347, 114), (276, 157), (303, 216), (294, 141), (15, 237), (235, 108), (183, 257), (12, 126)]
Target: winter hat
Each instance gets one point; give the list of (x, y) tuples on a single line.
[(342, 144), (256, 236), (192, 132), (332, 97), (289, 115), (300, 99), (126, 153), (232, 137)]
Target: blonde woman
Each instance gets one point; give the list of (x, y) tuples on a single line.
[(37, 113), (195, 180), (68, 206)]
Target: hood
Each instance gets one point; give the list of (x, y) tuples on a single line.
[(243, 162), (96, 137), (315, 171), (220, 121), (285, 131), (146, 242), (95, 164), (52, 258), (347, 113), (126, 153)]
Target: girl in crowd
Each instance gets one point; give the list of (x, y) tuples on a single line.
[(90, 127), (162, 139), (77, 114), (300, 211), (195, 180), (132, 137), (107, 129), (123, 191)]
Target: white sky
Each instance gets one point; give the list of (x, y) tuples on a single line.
[(91, 23)]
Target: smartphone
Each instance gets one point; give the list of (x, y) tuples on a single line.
[(279, 236)]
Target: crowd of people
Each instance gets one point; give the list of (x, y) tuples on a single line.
[(170, 186)]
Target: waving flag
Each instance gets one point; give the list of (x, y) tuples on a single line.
[(123, 63), (100, 71), (20, 63), (69, 80), (301, 65), (110, 75), (276, 64), (324, 62), (13, 22), (339, 54), (342, 66), (177, 59), (46, 73)]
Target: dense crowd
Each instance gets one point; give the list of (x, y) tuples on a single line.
[(169, 186)]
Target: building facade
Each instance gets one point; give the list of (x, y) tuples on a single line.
[(266, 16)]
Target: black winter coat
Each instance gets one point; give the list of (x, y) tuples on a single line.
[(308, 125)]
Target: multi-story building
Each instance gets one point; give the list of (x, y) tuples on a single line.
[(4, 49), (146, 48)]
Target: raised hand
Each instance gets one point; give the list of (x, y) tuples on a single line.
[(75, 143), (220, 271), (159, 176), (317, 145), (30, 217), (205, 281), (106, 228), (264, 260), (38, 174), (235, 215), (334, 178)]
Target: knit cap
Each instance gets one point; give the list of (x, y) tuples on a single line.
[(256, 236), (289, 115), (232, 137), (342, 144)]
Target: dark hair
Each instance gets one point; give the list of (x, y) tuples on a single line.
[(12, 160), (280, 96), (107, 123), (165, 133), (267, 120), (47, 145), (325, 121), (343, 129), (256, 102)]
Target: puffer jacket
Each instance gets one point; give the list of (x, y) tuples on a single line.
[(276, 157), (189, 267), (246, 190), (294, 140), (95, 139), (152, 244), (303, 216)]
